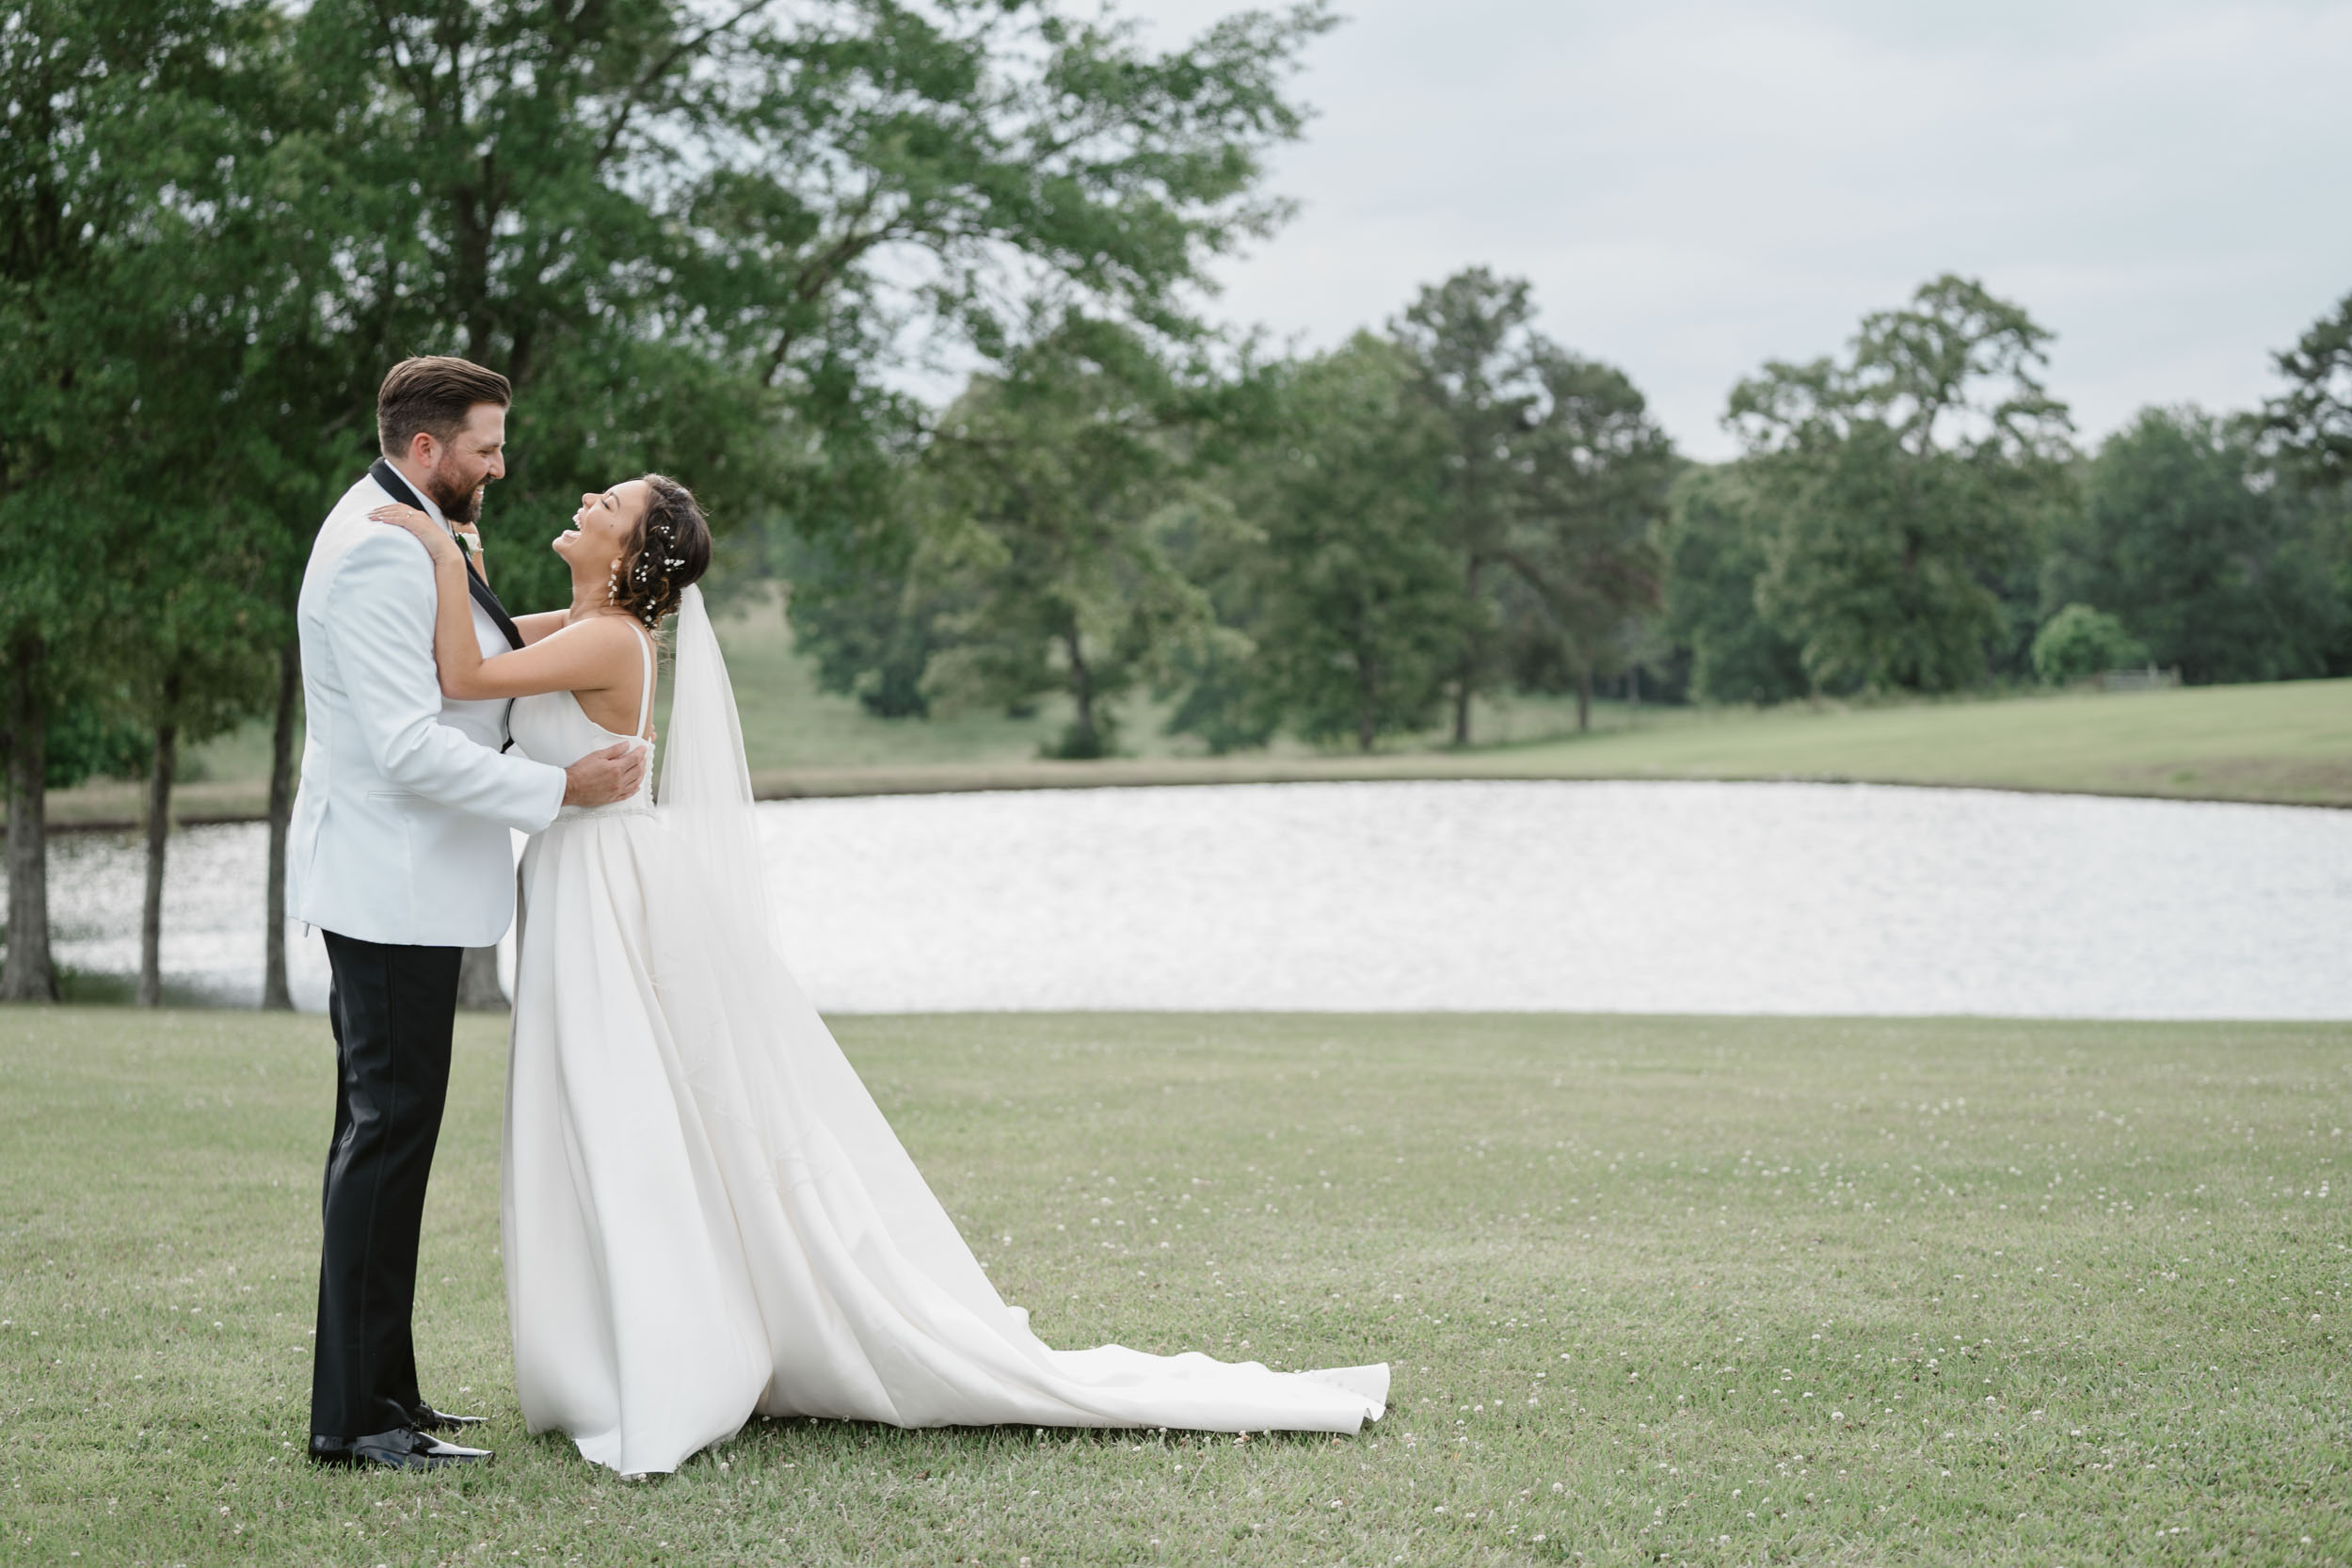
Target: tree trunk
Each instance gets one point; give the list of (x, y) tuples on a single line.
[(151, 991), (274, 991), (1082, 688), (28, 975), (478, 981), (1584, 700), (1468, 678), (1367, 713)]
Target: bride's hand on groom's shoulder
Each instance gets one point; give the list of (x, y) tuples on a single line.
[(435, 541)]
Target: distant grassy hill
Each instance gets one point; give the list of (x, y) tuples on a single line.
[(2289, 742)]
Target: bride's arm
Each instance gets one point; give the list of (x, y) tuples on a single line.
[(591, 656), (546, 623)]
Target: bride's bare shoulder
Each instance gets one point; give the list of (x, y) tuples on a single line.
[(620, 631), (609, 643)]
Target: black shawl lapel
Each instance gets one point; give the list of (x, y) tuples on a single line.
[(497, 611), (394, 486)]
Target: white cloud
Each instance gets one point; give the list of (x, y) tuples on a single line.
[(1694, 188)]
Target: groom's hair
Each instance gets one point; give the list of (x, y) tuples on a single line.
[(433, 393)]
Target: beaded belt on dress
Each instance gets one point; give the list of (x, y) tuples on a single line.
[(635, 805)]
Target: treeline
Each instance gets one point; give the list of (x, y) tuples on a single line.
[(1358, 544), (700, 240), (1346, 547)]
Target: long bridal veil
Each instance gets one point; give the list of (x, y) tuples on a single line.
[(870, 1304), (706, 782)]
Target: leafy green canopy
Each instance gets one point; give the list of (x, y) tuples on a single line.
[(1358, 610), (1051, 490), (1905, 484), (106, 151), (2189, 539), (1716, 543), (1552, 481), (2311, 421), (720, 241), (1332, 545)]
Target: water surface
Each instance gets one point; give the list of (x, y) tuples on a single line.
[(1617, 897)]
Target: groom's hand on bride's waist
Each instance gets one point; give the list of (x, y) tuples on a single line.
[(604, 777)]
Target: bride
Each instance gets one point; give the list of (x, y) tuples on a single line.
[(705, 1214)]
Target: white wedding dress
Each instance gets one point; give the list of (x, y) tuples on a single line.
[(706, 1216)]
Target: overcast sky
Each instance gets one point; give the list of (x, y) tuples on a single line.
[(1695, 188)]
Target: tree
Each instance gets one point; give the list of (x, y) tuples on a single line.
[(1555, 477), (1905, 483), (2309, 436), (1715, 543), (2189, 539), (1583, 539), (197, 659), (1475, 355), (1358, 603), (1052, 486), (109, 105), (2311, 421), (154, 372), (242, 426), (869, 623), (200, 563)]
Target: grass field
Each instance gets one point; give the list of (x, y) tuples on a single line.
[(2286, 743), (1656, 1289), (2289, 742)]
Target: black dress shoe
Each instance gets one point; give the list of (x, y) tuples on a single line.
[(401, 1449), (425, 1418)]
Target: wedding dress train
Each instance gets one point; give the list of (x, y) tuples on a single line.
[(706, 1216)]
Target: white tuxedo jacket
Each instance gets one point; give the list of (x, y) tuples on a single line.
[(400, 825)]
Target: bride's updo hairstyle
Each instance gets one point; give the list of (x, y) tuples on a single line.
[(670, 553)]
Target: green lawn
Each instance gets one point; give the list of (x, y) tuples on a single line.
[(2289, 743), (1656, 1289)]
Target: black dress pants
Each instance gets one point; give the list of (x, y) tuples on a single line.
[(392, 1009)]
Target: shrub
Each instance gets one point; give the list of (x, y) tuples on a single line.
[(2079, 642)]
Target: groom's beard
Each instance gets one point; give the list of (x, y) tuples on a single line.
[(457, 506)]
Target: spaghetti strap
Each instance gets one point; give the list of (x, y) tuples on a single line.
[(644, 688)]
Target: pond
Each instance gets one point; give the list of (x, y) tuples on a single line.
[(1588, 897)]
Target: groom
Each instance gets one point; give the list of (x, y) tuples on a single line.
[(399, 854)]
